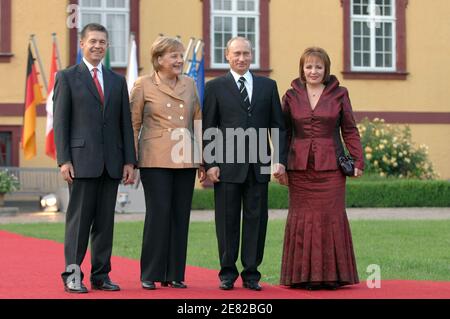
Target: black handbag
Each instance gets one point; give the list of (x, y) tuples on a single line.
[(345, 162), (347, 165)]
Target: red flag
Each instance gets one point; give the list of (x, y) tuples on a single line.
[(33, 97), (50, 148)]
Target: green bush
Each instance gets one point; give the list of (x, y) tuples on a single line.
[(203, 199), (389, 151), (398, 193), (278, 196), (8, 182), (366, 192)]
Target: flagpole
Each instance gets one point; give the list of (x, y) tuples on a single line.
[(199, 42), (201, 45), (188, 50), (197, 45), (38, 58), (58, 57)]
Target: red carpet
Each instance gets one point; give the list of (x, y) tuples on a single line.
[(30, 269)]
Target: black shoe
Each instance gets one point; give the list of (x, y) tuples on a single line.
[(105, 285), (173, 284), (296, 286), (252, 285), (331, 286), (226, 285), (149, 285), (74, 288), (311, 286)]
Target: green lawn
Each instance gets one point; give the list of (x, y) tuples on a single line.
[(416, 250)]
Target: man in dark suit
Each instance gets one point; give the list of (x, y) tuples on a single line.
[(243, 106), (95, 150)]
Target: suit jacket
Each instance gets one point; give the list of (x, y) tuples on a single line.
[(317, 130), (90, 136), (166, 118), (224, 109)]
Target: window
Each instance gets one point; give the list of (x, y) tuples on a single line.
[(375, 39), (5, 31), (5, 149), (230, 18), (373, 35), (9, 144), (115, 16)]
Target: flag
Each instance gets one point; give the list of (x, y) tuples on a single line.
[(132, 68), (50, 148), (197, 72), (192, 72), (79, 56), (33, 97), (201, 80), (107, 60)]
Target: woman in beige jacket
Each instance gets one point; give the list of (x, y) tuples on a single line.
[(166, 118)]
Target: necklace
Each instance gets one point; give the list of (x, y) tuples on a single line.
[(316, 93)]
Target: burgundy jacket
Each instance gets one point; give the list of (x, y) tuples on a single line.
[(315, 130)]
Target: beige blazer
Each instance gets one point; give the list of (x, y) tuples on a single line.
[(163, 122)]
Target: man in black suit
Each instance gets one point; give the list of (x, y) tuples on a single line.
[(95, 150), (235, 103)]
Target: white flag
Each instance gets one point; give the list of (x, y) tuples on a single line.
[(50, 148), (132, 68)]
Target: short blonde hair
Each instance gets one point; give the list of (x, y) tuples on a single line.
[(161, 46), (319, 53)]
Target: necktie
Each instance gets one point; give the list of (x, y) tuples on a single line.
[(99, 87), (244, 93)]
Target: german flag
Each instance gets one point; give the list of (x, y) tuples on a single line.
[(33, 97)]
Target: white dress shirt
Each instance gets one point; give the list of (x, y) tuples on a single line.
[(248, 82), (99, 72)]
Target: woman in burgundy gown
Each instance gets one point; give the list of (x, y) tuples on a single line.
[(318, 250)]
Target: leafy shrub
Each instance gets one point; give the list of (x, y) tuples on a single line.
[(362, 192), (389, 151), (8, 182)]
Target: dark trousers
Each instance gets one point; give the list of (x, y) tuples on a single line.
[(90, 212), (168, 199), (228, 199)]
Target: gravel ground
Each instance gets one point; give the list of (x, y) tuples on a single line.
[(12, 216)]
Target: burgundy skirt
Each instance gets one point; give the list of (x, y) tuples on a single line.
[(318, 244)]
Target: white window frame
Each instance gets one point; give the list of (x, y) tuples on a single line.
[(372, 20), (235, 14), (103, 11)]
